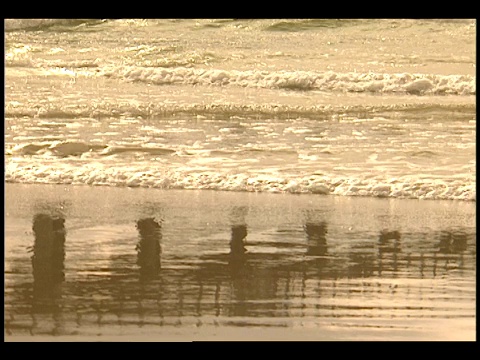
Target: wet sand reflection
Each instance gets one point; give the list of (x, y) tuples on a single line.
[(148, 248), (238, 250), (316, 238), (256, 279), (452, 242), (389, 248), (48, 258)]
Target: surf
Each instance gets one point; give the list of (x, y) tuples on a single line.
[(329, 81)]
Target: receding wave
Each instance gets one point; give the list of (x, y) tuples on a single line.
[(142, 174), (42, 24), (404, 83), (109, 109), (309, 24), (78, 148)]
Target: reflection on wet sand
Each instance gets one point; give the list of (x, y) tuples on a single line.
[(452, 242), (237, 248), (238, 270), (316, 238), (148, 248), (48, 257), (389, 242), (388, 250), (269, 279)]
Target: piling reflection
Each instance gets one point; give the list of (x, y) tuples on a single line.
[(316, 238), (315, 263), (389, 248), (48, 258), (238, 234), (148, 248), (238, 270), (389, 242), (362, 262), (237, 246), (452, 242), (263, 276)]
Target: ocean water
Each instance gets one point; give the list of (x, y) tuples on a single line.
[(240, 178), (377, 108)]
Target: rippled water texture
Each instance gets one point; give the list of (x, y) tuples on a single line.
[(261, 179), (376, 108), (204, 265)]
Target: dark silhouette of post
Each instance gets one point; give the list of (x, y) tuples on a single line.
[(389, 243), (316, 238), (238, 235), (452, 242), (148, 248), (385, 243), (237, 245), (238, 270), (48, 256)]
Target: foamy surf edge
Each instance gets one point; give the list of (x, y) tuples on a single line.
[(403, 83), (143, 175), (38, 24), (112, 109)]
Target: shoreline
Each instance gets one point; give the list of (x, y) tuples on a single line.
[(235, 191), (430, 330), (117, 201)]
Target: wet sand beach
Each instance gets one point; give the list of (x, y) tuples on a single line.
[(240, 179), (99, 263)]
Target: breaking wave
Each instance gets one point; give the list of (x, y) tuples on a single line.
[(142, 174), (42, 24), (109, 109), (404, 83), (78, 148)]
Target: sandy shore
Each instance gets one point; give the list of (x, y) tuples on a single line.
[(119, 204), (433, 331), (101, 232)]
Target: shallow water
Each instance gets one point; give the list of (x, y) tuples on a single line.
[(191, 263), (376, 108), (240, 179)]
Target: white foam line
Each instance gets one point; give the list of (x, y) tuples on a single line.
[(202, 178), (302, 80)]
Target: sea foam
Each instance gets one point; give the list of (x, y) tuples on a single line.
[(112, 109), (403, 83), (39, 24), (142, 174)]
